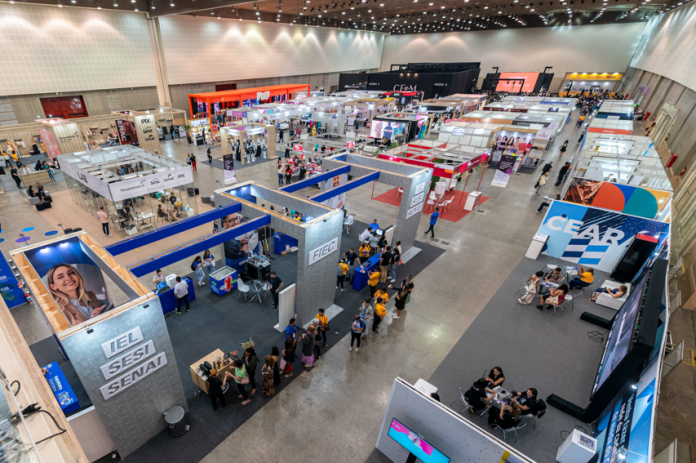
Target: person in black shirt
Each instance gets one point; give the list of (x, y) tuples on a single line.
[(384, 264), (215, 389), (477, 396), (505, 417), (276, 284), (495, 377), (16, 177), (526, 400)]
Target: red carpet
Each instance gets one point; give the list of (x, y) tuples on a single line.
[(454, 212)]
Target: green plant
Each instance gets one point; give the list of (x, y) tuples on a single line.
[(392, 145)]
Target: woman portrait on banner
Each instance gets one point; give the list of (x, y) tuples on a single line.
[(69, 290)]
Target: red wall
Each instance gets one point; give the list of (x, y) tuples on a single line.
[(66, 107)]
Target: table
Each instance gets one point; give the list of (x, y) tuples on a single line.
[(61, 388), (199, 379), (223, 280), (360, 278), (143, 217), (281, 241), (168, 299)]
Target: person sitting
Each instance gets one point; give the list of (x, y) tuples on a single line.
[(526, 400), (506, 417), (585, 277), (532, 285), (40, 191), (555, 276), (616, 293), (37, 166), (477, 396), (374, 226), (496, 377), (160, 213), (555, 297), (30, 192)]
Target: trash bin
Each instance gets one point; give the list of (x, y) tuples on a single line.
[(178, 426)]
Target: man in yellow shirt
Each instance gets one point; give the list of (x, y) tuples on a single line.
[(585, 278), (380, 313), (324, 323), (341, 274), (373, 280)]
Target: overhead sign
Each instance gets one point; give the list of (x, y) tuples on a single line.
[(263, 95), (322, 251), (297, 147), (350, 145), (594, 76)]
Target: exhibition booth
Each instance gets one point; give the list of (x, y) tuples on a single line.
[(495, 135), (532, 109), (616, 110), (479, 98), (398, 128), (450, 107), (587, 83), (139, 190), (247, 143)]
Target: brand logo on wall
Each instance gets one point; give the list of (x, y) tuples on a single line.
[(405, 88), (82, 177), (322, 251), (263, 95)]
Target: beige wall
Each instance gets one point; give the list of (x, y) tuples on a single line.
[(603, 48)]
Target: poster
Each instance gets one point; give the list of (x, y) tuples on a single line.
[(504, 170), (337, 202), (74, 281), (50, 143), (390, 130), (237, 248), (627, 199), (10, 291), (594, 237), (126, 132), (228, 167)]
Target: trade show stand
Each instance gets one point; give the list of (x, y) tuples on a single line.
[(361, 275), (200, 379), (168, 299)]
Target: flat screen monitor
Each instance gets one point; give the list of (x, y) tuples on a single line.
[(379, 129), (526, 81), (621, 334), (380, 232), (415, 444)]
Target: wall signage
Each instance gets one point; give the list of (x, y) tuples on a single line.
[(414, 210), (263, 95), (120, 343), (297, 147), (417, 199), (122, 363), (420, 187), (134, 376), (322, 251)]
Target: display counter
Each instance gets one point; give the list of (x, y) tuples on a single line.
[(31, 178), (168, 299), (361, 276), (61, 388), (281, 241), (258, 268), (223, 281), (197, 376)]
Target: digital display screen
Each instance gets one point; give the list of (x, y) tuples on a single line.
[(415, 444), (514, 86), (619, 341), (388, 129)]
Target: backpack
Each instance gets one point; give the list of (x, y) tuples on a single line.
[(539, 409)]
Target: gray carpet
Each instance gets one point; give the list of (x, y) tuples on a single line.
[(550, 352), (203, 159)]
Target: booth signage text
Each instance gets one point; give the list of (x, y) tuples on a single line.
[(417, 199), (135, 375), (263, 95), (414, 210), (420, 187), (350, 144), (126, 361), (458, 131), (322, 251), (297, 147), (122, 342)]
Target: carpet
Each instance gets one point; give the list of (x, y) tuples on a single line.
[(237, 164), (223, 322), (454, 212), (550, 352)]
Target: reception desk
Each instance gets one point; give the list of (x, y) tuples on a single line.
[(168, 299), (31, 178), (360, 278), (199, 380)]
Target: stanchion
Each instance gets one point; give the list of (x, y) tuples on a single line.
[(464, 189), (482, 172)]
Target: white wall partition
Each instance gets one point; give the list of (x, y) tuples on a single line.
[(210, 50), (597, 48), (46, 49), (668, 46)]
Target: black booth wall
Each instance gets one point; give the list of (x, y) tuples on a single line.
[(492, 79), (433, 85)]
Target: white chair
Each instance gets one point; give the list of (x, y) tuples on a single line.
[(431, 202), (447, 202), (400, 191), (242, 288), (613, 302), (348, 222)]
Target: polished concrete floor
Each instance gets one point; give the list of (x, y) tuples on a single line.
[(335, 410)]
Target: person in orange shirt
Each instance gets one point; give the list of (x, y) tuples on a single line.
[(341, 273), (324, 323), (373, 280), (383, 294), (380, 313)]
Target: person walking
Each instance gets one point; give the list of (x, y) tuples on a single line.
[(104, 219), (197, 266), (547, 167), (276, 284), (215, 389), (563, 148), (16, 177), (291, 336), (240, 377), (210, 156), (380, 313), (581, 119), (209, 258), (367, 313), (281, 171), (433, 221), (541, 182), (308, 347), (324, 324), (341, 273), (356, 330), (385, 261), (562, 172), (181, 293), (267, 372), (193, 161)]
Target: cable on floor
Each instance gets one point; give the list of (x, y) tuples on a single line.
[(595, 336)]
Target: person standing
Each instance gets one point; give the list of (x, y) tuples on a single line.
[(104, 219), (303, 171), (240, 377), (181, 293), (281, 171), (193, 161), (380, 313), (341, 273), (268, 376), (356, 330), (188, 159), (324, 323), (406, 286), (399, 304), (385, 261), (433, 221), (16, 177), (209, 258), (210, 156), (395, 260), (197, 267), (564, 148), (287, 357), (308, 347), (275, 355), (367, 313), (291, 336), (276, 285), (215, 389), (562, 172), (251, 361), (373, 279), (288, 174)]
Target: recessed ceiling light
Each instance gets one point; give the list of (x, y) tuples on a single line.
[(171, 4), (116, 5)]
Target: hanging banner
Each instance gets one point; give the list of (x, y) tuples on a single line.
[(127, 134), (228, 167), (338, 201), (11, 293), (50, 143), (504, 170)]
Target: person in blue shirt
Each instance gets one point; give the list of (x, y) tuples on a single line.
[(291, 335), (374, 226), (356, 330), (433, 221)]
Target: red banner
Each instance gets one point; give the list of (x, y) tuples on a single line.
[(50, 143)]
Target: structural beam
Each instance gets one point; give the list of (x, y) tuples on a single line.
[(297, 186), (355, 183)]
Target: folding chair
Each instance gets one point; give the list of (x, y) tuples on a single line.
[(513, 429)]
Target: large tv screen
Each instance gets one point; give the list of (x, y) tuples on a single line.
[(415, 444), (514, 86), (388, 129), (619, 341)]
